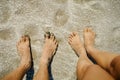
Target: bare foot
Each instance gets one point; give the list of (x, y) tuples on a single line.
[(89, 38), (76, 43), (49, 47), (23, 47)]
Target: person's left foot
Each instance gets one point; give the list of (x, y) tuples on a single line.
[(49, 47), (23, 47)]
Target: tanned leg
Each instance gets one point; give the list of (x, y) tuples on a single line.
[(23, 47), (47, 53), (86, 70), (102, 58)]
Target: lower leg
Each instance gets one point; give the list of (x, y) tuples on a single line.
[(82, 66), (103, 58), (86, 70), (42, 73), (24, 51), (83, 62), (17, 74), (95, 72), (48, 52), (115, 67)]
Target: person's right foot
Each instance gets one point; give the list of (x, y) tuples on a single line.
[(49, 47), (23, 47), (76, 43), (89, 38)]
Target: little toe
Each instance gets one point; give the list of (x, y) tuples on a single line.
[(55, 41)]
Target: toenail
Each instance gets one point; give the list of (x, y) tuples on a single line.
[(52, 34), (47, 34)]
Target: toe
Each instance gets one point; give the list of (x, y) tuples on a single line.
[(71, 35), (52, 36), (47, 35), (90, 29), (87, 30), (74, 33), (70, 38), (27, 38), (69, 41), (24, 38), (21, 39), (56, 42)]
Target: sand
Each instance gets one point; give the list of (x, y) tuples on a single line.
[(35, 17)]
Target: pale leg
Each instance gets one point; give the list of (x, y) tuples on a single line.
[(86, 70), (23, 47), (102, 58), (48, 52)]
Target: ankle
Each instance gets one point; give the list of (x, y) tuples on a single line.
[(25, 66), (90, 49), (25, 62), (80, 50), (44, 61)]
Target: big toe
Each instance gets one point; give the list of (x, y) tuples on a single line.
[(27, 38), (47, 35), (75, 33), (85, 30), (22, 39), (90, 30)]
